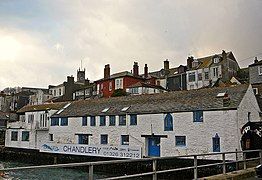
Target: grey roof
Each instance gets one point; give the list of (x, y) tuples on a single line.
[(8, 116), (177, 101)]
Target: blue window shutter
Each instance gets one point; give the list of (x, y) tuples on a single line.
[(168, 122)]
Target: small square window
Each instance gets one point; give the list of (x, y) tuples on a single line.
[(84, 121), (83, 139), (112, 120), (180, 140), (198, 116), (133, 119), (104, 138), (122, 120), (92, 121), (25, 136), (102, 120), (124, 139), (54, 121), (64, 121)]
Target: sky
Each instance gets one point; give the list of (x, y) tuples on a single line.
[(43, 42)]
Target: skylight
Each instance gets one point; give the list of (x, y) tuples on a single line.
[(61, 110), (125, 108), (221, 94), (105, 110)]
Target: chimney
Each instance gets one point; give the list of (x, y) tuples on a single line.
[(135, 69), (166, 64), (255, 61), (224, 54), (146, 71), (107, 71), (226, 100), (70, 79), (189, 62)]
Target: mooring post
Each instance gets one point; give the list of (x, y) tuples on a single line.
[(245, 162), (90, 172), (154, 169), (195, 166), (224, 163)]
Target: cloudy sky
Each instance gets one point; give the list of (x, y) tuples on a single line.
[(42, 42)]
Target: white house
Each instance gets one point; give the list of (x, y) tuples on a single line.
[(168, 124), (32, 128)]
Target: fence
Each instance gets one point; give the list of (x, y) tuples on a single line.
[(154, 173)]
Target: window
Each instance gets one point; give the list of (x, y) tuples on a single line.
[(191, 77), (255, 90), (124, 139), (200, 76), (51, 137), (180, 140), (215, 72), (104, 138), (133, 119), (54, 92), (216, 60), (259, 70), (54, 121), (206, 75), (25, 135), (64, 121), (112, 120), (110, 86), (43, 120), (122, 120), (92, 121), (216, 143), (168, 122), (14, 136), (30, 118), (198, 116), (102, 120), (83, 139), (134, 90), (84, 121), (60, 92)]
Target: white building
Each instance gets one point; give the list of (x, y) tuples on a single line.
[(168, 124), (33, 126), (144, 88)]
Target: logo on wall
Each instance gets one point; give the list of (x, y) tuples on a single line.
[(50, 148)]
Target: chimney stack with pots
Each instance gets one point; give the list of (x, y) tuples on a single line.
[(146, 71), (135, 69), (255, 61), (224, 55), (107, 71), (189, 62), (166, 64)]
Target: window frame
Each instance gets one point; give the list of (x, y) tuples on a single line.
[(92, 121), (84, 121), (85, 139), (259, 70), (133, 119), (192, 77), (168, 122), (102, 120), (122, 120), (24, 133), (54, 121), (14, 135), (179, 139), (197, 116), (125, 140), (102, 140), (112, 122), (64, 121)]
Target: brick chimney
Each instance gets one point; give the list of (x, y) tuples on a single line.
[(189, 62), (70, 79), (146, 71), (255, 61), (166, 64), (226, 100), (107, 71), (135, 69)]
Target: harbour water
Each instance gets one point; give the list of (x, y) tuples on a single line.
[(46, 173)]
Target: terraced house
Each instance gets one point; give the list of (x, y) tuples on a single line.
[(165, 124)]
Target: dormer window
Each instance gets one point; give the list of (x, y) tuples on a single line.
[(216, 60), (195, 63)]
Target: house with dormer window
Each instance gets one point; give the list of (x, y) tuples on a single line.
[(206, 71)]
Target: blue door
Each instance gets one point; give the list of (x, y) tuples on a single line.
[(154, 146)]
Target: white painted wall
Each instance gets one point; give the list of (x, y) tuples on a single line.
[(143, 90), (55, 90)]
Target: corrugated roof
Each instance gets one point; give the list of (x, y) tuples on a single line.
[(177, 101), (42, 107)]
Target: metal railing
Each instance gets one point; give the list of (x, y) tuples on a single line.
[(154, 173)]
